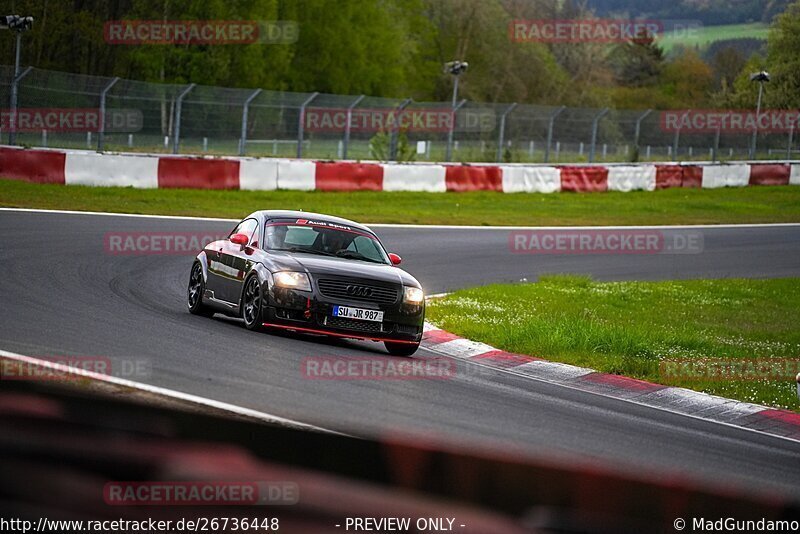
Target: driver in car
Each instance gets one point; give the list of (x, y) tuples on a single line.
[(332, 242), (276, 236)]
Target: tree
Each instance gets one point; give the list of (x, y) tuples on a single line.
[(500, 70), (783, 59), (687, 80), (638, 62), (727, 63)]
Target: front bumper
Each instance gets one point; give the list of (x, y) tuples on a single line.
[(311, 312)]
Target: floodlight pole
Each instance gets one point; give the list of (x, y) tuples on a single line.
[(18, 25), (12, 134), (754, 140), (456, 68)]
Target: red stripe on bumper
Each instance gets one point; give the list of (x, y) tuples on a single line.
[(337, 334)]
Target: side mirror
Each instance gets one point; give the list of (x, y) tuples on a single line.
[(239, 239), (395, 259)]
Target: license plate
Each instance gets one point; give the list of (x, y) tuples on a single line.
[(358, 313)]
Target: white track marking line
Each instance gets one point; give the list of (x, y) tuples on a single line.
[(112, 214), (461, 348), (163, 392), (421, 226), (555, 371), (565, 375), (569, 385)]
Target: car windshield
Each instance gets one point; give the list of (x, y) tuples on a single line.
[(324, 239)]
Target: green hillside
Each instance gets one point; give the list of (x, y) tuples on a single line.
[(703, 36)]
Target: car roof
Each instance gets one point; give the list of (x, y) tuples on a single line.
[(294, 214)]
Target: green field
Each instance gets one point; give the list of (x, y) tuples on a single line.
[(639, 328), (669, 206), (704, 36)]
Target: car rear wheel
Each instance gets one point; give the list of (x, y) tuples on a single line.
[(197, 286), (251, 304), (401, 349)]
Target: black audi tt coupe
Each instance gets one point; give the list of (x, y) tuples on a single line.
[(309, 273)]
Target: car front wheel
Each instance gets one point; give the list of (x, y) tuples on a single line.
[(251, 304), (195, 291), (401, 349)]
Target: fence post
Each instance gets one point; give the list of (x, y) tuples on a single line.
[(245, 109), (300, 126), (12, 132), (550, 127), (595, 125), (502, 134), (791, 140), (393, 141), (449, 152), (101, 129), (677, 139), (347, 125), (178, 108), (638, 131), (717, 135)]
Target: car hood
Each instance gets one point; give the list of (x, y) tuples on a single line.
[(323, 265)]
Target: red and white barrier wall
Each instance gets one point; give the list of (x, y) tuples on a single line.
[(77, 167)]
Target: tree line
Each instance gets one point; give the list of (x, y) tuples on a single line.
[(396, 48)]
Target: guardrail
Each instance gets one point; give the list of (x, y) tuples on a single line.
[(77, 167)]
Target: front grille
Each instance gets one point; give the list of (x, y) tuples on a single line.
[(338, 289), (354, 324)]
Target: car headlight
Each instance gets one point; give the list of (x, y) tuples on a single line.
[(293, 280), (413, 295)]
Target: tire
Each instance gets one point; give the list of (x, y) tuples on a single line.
[(194, 297), (401, 349), (252, 304)]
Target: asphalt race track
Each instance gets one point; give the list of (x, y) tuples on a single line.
[(64, 294)]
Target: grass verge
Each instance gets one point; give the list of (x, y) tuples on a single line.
[(669, 206), (642, 329)]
